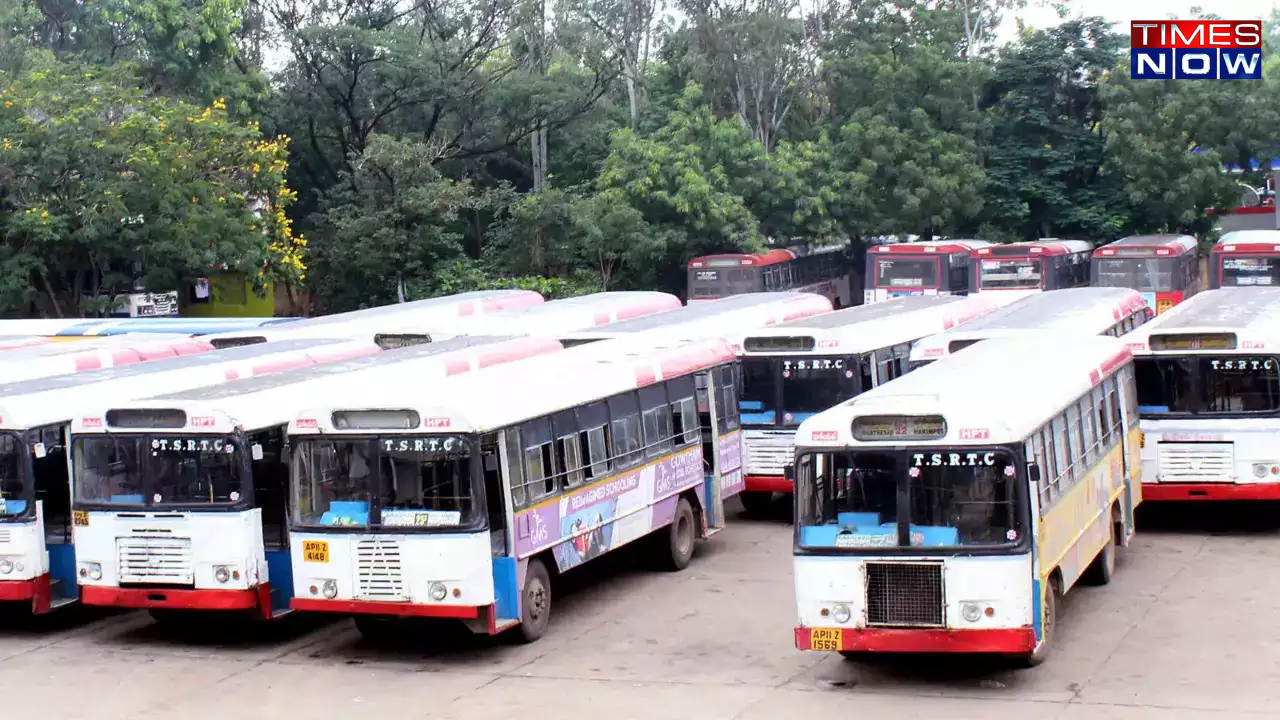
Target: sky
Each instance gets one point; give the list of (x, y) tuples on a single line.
[(1126, 11)]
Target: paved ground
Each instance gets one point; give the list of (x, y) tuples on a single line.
[(1188, 629)]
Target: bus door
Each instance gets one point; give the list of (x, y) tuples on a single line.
[(1131, 469), (269, 472), (717, 397), (51, 473)]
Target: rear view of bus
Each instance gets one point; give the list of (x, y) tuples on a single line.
[(1246, 258), (1209, 397), (1164, 268), (797, 369), (459, 501), (948, 512), (1028, 267), (936, 267), (821, 270)]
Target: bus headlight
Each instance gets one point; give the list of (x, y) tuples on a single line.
[(438, 591), (91, 570), (221, 573), (330, 589), (6, 566), (841, 613), (970, 612)]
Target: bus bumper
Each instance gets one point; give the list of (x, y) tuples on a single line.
[(377, 607), (1173, 492), (1000, 640), (36, 591), (768, 483), (255, 598)]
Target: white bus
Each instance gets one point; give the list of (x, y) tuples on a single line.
[(37, 561), (208, 529), (797, 369), (1084, 311), (1209, 397), (50, 359), (461, 500), (1029, 267), (355, 323), (949, 511)]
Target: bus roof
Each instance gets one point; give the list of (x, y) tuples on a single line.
[(1252, 314), (54, 400), (266, 401), (713, 318), (80, 327), (1148, 246), (997, 392), (81, 356), (942, 247), (1249, 241), (1079, 311), (869, 327), (510, 394), (1042, 247)]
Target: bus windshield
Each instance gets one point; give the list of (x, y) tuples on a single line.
[(1010, 274), (1207, 385), (394, 481), (907, 273), (1250, 271), (1141, 274), (717, 282), (13, 483), (956, 498), (158, 470), (798, 386)]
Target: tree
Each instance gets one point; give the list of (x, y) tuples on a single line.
[(106, 187)]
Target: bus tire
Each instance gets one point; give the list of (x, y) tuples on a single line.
[(1049, 625), (756, 503), (681, 535), (1103, 566), (535, 602)]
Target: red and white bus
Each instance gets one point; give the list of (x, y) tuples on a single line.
[(934, 267), (1246, 258), (825, 271), (1164, 268), (1035, 266)]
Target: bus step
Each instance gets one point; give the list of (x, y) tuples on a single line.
[(280, 612), (504, 623), (57, 602), (712, 531)]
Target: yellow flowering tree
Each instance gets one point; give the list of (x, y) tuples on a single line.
[(103, 188)]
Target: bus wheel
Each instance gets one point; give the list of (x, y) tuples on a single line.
[(1049, 626), (535, 606), (756, 503), (1100, 570), (680, 538)]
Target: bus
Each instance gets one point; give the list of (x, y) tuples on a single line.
[(933, 267), (208, 529), (353, 324), (1109, 311), (951, 510), (822, 270), (1245, 258), (37, 559), (1164, 268), (799, 368), (1209, 397), (494, 482), (710, 319), (1046, 264), (47, 360)]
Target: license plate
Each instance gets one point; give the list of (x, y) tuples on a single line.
[(824, 639), (80, 518), (315, 551)]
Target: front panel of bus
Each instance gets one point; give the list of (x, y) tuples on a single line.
[(1210, 412), (896, 274), (1244, 270), (385, 517), (894, 544), (1163, 281), (722, 278), (167, 519)]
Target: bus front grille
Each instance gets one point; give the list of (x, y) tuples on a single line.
[(769, 451), (905, 594), (1195, 462), (378, 570), (146, 560), (4, 536)]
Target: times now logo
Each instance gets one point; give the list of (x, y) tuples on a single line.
[(1196, 50)]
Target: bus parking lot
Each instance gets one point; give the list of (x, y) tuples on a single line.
[(1185, 630)]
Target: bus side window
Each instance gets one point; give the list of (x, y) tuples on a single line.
[(1129, 395), (1104, 422), (1049, 471), (1075, 440), (628, 438), (515, 466), (727, 383), (1061, 454), (866, 363), (1113, 404), (684, 413), (593, 440), (568, 454), (495, 503), (1089, 432), (656, 420), (538, 459)]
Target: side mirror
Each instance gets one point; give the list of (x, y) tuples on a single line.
[(789, 473), (1033, 472)]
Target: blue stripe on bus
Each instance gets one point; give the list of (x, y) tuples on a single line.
[(1037, 616), (506, 595), (81, 328)]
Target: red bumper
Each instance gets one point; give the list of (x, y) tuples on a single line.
[(1004, 640), (401, 609), (768, 483), (252, 599), (1172, 492), (14, 590)]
